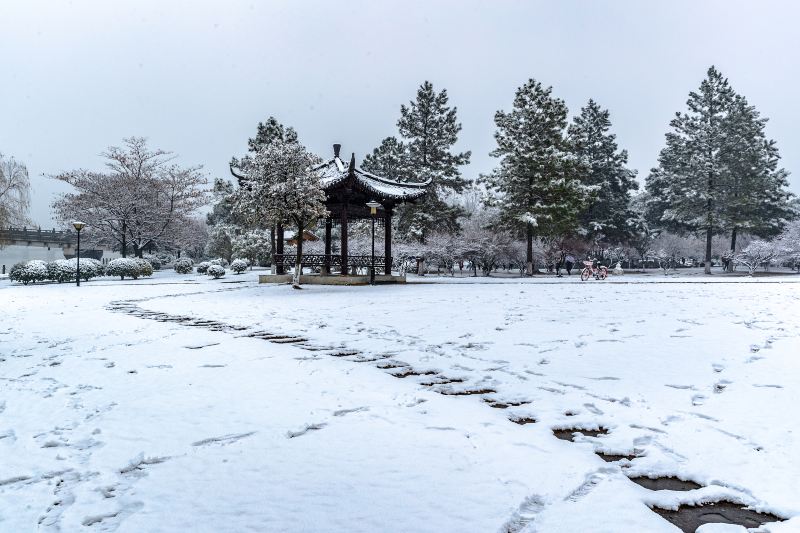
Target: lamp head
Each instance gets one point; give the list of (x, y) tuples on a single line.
[(373, 207), (78, 225)]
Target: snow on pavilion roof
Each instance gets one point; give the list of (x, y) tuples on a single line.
[(336, 171)]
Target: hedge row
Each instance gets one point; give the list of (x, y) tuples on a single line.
[(64, 270), (60, 270)]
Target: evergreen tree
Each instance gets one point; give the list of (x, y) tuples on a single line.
[(389, 160), (757, 200), (266, 133), (608, 218), (691, 181), (269, 132), (430, 129), (222, 203), (280, 187), (539, 193)]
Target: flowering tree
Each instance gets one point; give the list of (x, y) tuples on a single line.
[(279, 186), (139, 201)]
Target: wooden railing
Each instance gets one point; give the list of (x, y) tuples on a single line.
[(333, 262)]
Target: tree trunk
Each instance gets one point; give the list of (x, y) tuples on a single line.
[(272, 245), (733, 246), (298, 265), (529, 253), (709, 235), (124, 240)]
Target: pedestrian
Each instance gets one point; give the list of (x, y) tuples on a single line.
[(560, 263), (569, 261)]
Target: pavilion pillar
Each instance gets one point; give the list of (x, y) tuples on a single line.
[(279, 249), (343, 224), (326, 269), (387, 242)]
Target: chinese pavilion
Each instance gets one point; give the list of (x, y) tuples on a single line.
[(348, 189)]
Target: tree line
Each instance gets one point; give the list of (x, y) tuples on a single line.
[(558, 186)]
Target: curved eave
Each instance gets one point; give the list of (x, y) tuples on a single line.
[(334, 171)]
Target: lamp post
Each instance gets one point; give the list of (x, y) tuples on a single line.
[(78, 227), (373, 211)]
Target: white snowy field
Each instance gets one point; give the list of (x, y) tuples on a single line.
[(185, 404)]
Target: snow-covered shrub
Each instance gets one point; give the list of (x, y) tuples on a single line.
[(145, 269), (216, 271), (202, 268), (61, 271), (758, 253), (219, 261), (123, 267), (183, 265), (28, 272), (239, 265), (90, 268), (154, 261)]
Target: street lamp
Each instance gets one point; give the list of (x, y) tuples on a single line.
[(373, 211), (78, 227)]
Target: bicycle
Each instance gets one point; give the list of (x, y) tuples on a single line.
[(589, 269)]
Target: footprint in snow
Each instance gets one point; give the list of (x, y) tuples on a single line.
[(721, 385), (306, 429), (224, 439)]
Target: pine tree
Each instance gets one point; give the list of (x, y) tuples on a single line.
[(269, 132), (389, 160), (608, 218), (757, 200), (692, 178), (430, 129), (222, 203), (539, 193)]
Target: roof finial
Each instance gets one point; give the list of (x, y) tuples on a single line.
[(352, 162), (336, 148)]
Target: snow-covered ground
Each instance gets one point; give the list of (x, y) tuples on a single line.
[(184, 404)]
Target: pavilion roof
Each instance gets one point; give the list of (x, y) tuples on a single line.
[(334, 172)]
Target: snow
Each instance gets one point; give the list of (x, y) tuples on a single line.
[(132, 424), (334, 171)]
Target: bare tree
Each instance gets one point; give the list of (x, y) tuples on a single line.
[(137, 202), (15, 192)]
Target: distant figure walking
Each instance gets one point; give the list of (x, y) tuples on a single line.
[(560, 263), (569, 261)]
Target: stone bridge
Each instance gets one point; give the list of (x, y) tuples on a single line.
[(22, 244)]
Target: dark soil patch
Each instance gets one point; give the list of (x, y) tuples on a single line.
[(504, 405), (466, 392), (412, 372), (613, 458), (567, 434), (689, 517), (388, 365), (442, 380), (665, 483), (344, 354), (522, 420)]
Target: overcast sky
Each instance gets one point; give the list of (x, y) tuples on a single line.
[(195, 77)]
